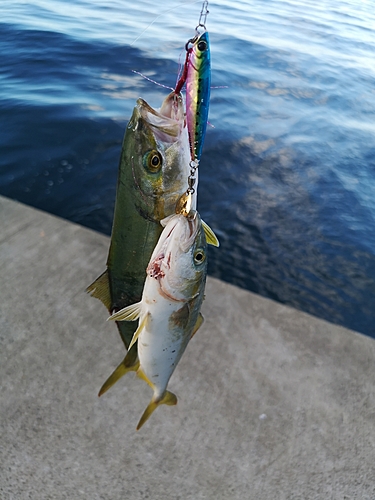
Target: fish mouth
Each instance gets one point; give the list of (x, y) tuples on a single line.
[(166, 122), (180, 230)]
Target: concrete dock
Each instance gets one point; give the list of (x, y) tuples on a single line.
[(273, 403)]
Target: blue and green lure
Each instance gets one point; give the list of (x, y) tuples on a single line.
[(197, 78)]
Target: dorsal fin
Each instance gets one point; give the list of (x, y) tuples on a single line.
[(100, 290)]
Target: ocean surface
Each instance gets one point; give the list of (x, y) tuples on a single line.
[(287, 176)]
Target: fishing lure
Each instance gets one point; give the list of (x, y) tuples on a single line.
[(196, 76)]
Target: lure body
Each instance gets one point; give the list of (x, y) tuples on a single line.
[(198, 85), (197, 77)]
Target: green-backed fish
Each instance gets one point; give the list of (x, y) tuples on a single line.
[(169, 312), (153, 171)]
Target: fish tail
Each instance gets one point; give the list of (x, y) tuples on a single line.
[(129, 364), (168, 399)]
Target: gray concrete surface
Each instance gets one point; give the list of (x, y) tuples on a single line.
[(273, 403)]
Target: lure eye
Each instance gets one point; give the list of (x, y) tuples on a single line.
[(202, 45), (199, 256), (152, 161)]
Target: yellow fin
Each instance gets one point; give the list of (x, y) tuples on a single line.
[(141, 325), (100, 290), (197, 325), (141, 374), (168, 399), (210, 235), (129, 313), (123, 368)]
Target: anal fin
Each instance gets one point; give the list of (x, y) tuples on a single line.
[(141, 325)]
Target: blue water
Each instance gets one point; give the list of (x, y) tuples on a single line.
[(287, 177)]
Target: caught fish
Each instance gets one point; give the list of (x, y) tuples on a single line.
[(153, 169), (197, 78), (169, 312)]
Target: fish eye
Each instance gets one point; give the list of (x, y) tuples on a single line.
[(152, 161), (202, 45), (199, 256)]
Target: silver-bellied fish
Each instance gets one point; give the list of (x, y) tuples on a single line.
[(169, 312), (153, 171)]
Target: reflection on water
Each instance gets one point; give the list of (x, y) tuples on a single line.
[(288, 172)]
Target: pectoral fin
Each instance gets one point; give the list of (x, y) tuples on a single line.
[(210, 235), (129, 364), (181, 317), (100, 290), (129, 313), (168, 399)]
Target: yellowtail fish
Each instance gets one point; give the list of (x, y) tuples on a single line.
[(153, 171), (169, 312)]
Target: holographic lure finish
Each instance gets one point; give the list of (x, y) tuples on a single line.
[(197, 77)]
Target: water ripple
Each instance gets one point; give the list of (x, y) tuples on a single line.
[(287, 174)]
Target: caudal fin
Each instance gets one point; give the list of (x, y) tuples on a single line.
[(129, 364), (168, 399)]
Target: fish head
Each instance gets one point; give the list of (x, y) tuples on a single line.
[(157, 150), (179, 260)]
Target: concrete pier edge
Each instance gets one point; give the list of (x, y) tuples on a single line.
[(273, 403)]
